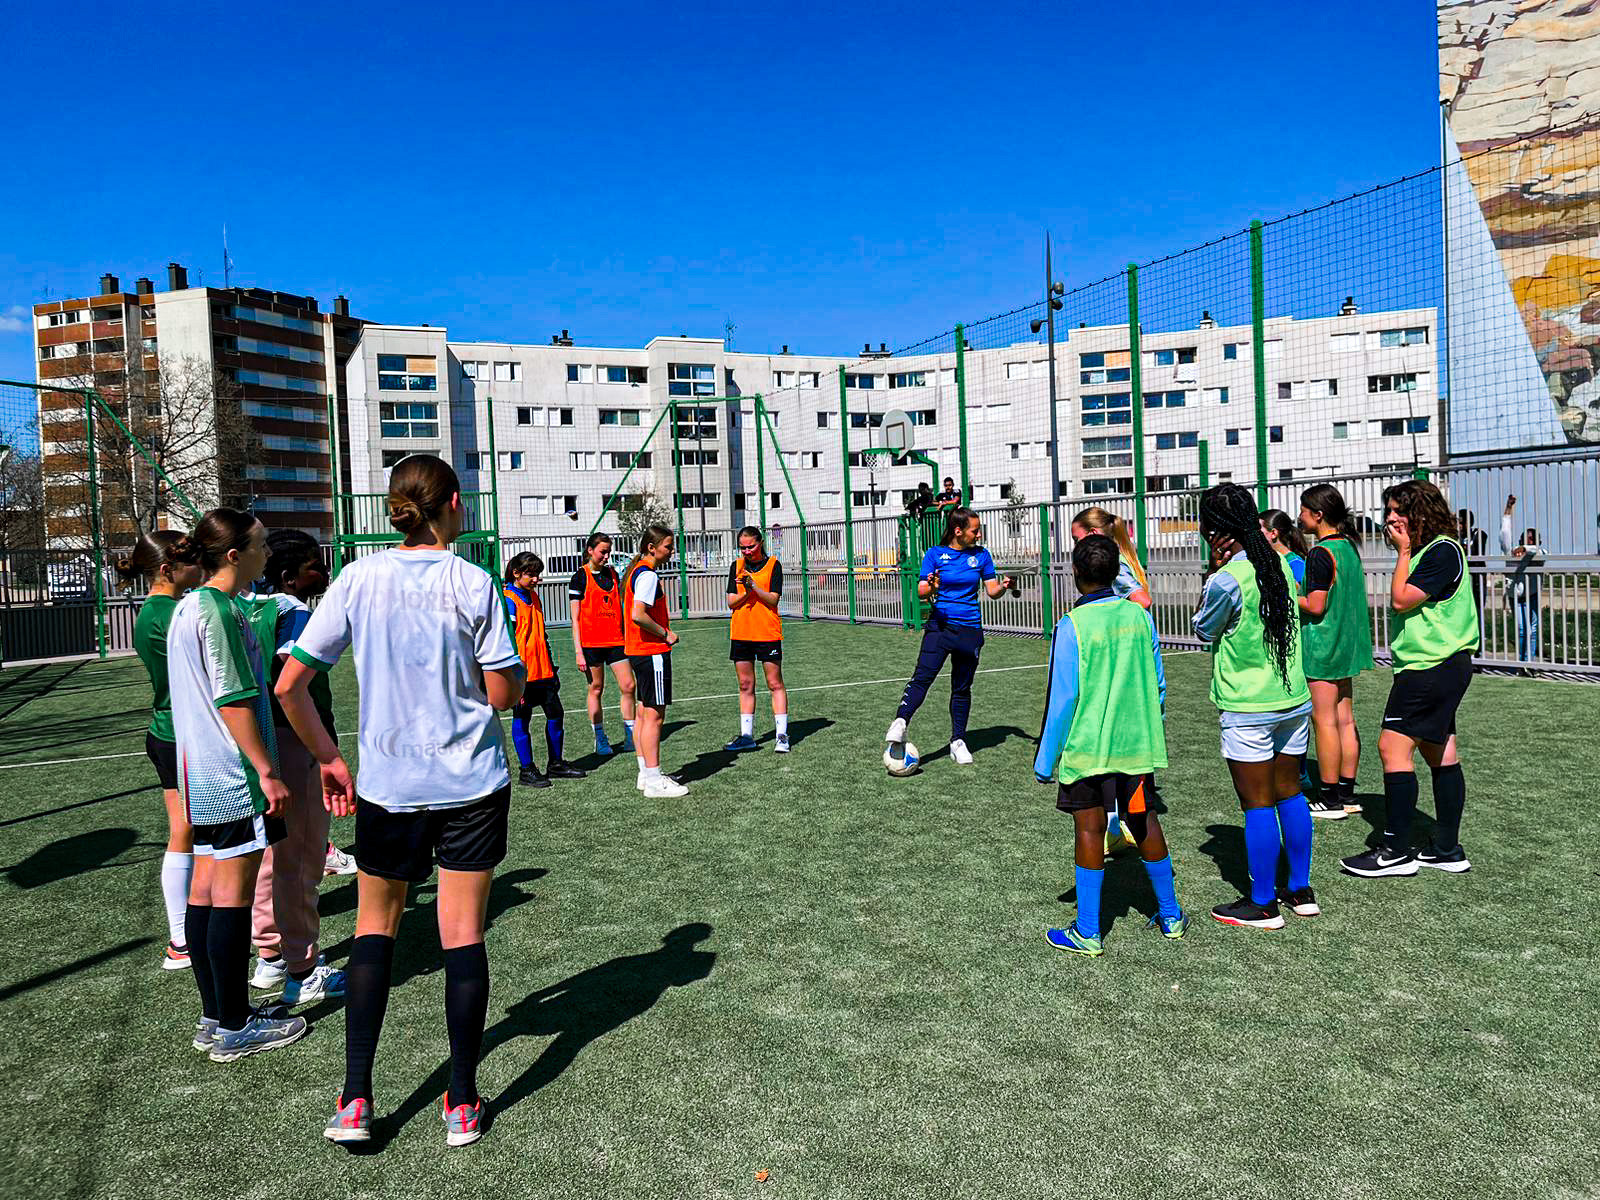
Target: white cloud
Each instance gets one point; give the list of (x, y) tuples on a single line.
[(14, 320)]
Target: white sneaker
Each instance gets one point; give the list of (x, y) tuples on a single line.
[(323, 982), (270, 973), (659, 787), (781, 744), (897, 731), (960, 754), (338, 862), (638, 781)]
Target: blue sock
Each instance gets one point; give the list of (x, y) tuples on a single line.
[(1161, 880), (1089, 882), (552, 739), (1294, 816), (1261, 843), (519, 738)]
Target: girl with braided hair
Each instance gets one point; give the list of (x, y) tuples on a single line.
[(1249, 617)]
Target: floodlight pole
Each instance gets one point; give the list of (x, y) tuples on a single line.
[(1050, 339)]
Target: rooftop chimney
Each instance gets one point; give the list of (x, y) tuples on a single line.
[(341, 306), (564, 338), (143, 286), (785, 349), (1205, 319), (109, 286), (1349, 308), (177, 277)]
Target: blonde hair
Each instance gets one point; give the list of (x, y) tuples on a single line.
[(1103, 521)]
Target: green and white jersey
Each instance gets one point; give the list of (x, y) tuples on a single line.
[(214, 659), (278, 619), (425, 626)]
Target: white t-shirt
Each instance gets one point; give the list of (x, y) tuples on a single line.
[(646, 586), (214, 659), (425, 625)]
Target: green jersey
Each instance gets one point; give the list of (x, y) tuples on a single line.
[(277, 619), (150, 644), (1116, 725), (1436, 629), (1338, 644), (1243, 677)]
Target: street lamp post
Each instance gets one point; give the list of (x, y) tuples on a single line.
[(1053, 302)]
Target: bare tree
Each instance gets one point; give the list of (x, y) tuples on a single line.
[(636, 513), (21, 488), (189, 419)]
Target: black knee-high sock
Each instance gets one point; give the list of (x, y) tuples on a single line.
[(1449, 798), (228, 945), (196, 924), (1347, 790), (366, 997), (1400, 800), (466, 1006)]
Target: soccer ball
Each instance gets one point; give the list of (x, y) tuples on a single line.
[(901, 759)]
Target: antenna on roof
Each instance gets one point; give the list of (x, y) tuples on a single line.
[(227, 263)]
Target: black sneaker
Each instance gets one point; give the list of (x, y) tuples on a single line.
[(1327, 810), (1380, 863), (1247, 912), (1302, 902), (533, 777), (565, 770), (1454, 861)]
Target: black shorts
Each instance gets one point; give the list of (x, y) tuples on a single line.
[(1128, 794), (233, 839), (652, 679), (755, 652), (1422, 704), (164, 757), (602, 656), (541, 693), (404, 844)]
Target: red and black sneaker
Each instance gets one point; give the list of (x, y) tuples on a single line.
[(1246, 912), (176, 958)]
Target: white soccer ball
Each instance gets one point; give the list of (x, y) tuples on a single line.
[(901, 759)]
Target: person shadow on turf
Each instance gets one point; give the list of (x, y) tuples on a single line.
[(575, 1012)]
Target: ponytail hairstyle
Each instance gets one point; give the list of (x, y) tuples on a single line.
[(149, 554), (652, 537), (420, 489), (216, 533), (1278, 521), (287, 551), (526, 563), (955, 519), (753, 531), (1424, 508), (1100, 520), (1228, 509), (1328, 500)]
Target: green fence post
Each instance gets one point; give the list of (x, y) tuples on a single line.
[(1205, 482), (805, 577), (616, 496), (177, 491), (677, 505), (961, 412), (1047, 602), (761, 468), (849, 534), (1136, 385), (494, 489), (96, 549), (1258, 351)]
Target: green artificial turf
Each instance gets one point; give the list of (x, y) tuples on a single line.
[(858, 998)]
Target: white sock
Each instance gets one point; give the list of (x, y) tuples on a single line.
[(176, 868), (747, 724), (642, 767), (781, 721), (650, 772)]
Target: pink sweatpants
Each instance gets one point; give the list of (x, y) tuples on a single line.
[(284, 920)]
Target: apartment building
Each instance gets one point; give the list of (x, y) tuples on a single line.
[(1345, 394), (278, 349)]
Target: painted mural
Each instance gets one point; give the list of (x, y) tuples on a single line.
[(1521, 79)]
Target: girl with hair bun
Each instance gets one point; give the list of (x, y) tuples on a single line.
[(435, 663), (166, 581), (1248, 616)]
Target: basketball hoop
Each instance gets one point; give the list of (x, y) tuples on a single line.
[(899, 434)]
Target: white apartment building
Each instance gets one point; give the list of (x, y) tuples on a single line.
[(1345, 394)]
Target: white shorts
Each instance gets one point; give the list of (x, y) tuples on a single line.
[(1265, 740)]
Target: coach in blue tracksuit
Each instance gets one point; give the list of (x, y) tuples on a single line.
[(949, 580)]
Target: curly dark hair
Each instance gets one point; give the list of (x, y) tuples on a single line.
[(1229, 509), (1425, 509)]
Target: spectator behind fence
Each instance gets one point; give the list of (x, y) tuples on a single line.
[(948, 500), (1522, 582), (921, 501), (1476, 543)]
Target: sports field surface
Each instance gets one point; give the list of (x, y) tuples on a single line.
[(808, 969)]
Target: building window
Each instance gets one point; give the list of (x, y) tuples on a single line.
[(1016, 370), (1275, 433), (262, 316), (619, 416), (1217, 395), (695, 458), (829, 500), (507, 372), (783, 379), (1102, 452), (861, 382), (525, 415), (583, 460), (691, 379), (824, 420), (535, 506), (810, 379), (810, 460), (866, 420), (1108, 487), (1166, 399), (1166, 483), (907, 379), (1308, 389), (1169, 358), (699, 500), (695, 422), (511, 460), (1107, 408), (1231, 437), (408, 420), (1404, 382), (580, 373), (393, 458), (1109, 375), (923, 416), (1286, 473), (626, 374), (1230, 350), (1383, 339), (1341, 431), (1417, 425), (301, 445), (874, 496), (1344, 343), (620, 460)]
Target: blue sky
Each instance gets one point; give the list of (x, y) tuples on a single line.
[(822, 175)]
